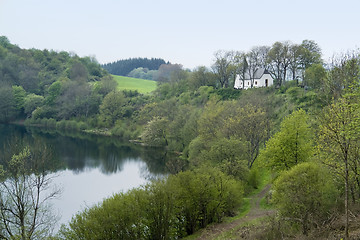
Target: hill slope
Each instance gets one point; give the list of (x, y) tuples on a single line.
[(141, 85)]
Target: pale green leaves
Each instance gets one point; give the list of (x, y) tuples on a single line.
[(292, 144)]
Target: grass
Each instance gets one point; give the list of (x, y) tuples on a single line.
[(141, 85)]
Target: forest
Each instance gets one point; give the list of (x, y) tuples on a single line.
[(135, 67), (301, 136)]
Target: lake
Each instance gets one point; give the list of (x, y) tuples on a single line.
[(90, 168)]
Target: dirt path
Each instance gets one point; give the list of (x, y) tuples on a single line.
[(255, 212)]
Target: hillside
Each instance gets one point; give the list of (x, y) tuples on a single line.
[(141, 85)]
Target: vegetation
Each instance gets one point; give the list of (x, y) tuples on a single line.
[(131, 84), (126, 66), (25, 192), (164, 209), (223, 137)]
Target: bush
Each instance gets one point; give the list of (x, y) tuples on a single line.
[(164, 209), (305, 195)]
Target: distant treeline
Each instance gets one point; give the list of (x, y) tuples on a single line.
[(125, 66)]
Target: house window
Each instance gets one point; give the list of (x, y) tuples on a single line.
[(248, 83), (255, 82)]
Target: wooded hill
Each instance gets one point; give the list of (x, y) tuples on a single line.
[(125, 66)]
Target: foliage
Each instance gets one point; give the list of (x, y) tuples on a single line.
[(305, 195), (125, 66), (339, 143), (291, 145), (143, 73), (112, 108), (32, 101), (25, 193), (164, 209), (154, 133)]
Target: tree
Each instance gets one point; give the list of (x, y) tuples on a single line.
[(315, 76), (112, 108), (32, 101), (294, 64), (339, 141), (203, 196), (19, 97), (345, 71), (76, 99), (291, 145), (24, 196), (249, 124), (279, 60), (223, 67), (7, 104), (167, 73), (255, 59), (310, 53), (78, 72), (154, 133), (304, 195), (201, 76)]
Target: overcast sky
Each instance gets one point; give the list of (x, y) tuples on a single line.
[(186, 32)]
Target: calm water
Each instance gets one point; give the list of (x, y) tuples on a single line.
[(91, 168)]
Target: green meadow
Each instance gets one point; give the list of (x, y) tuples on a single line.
[(141, 85)]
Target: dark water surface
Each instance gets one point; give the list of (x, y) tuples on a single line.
[(90, 168)]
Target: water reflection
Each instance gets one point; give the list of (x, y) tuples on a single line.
[(78, 151), (90, 168)]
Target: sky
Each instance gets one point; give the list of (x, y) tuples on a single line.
[(186, 32)]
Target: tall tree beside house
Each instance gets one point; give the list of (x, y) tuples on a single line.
[(256, 58), (279, 60), (224, 67), (294, 64)]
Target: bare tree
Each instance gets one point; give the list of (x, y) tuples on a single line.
[(25, 191), (294, 57), (223, 67), (256, 59), (240, 65), (279, 60)]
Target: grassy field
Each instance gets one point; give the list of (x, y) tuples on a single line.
[(142, 85)]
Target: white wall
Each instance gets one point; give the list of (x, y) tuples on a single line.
[(257, 82)]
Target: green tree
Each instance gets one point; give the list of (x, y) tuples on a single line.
[(112, 108), (19, 97), (201, 76), (154, 133), (229, 155), (305, 195), (339, 141), (118, 217), (204, 196), (7, 104), (32, 101), (292, 144), (315, 76), (53, 92)]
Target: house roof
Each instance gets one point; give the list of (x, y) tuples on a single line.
[(258, 74)]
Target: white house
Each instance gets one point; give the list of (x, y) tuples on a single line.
[(262, 78)]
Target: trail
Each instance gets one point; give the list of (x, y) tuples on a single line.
[(255, 212)]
